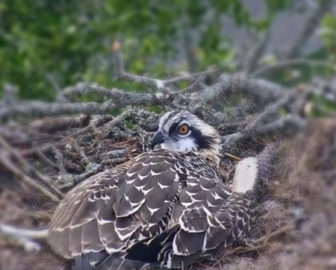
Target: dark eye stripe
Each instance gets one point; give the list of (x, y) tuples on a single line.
[(202, 141), (173, 127)]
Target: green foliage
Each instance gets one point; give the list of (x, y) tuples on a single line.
[(328, 33), (44, 43), (323, 106), (273, 7)]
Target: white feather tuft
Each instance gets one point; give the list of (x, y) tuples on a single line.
[(245, 175)]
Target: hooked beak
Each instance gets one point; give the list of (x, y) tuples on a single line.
[(158, 138)]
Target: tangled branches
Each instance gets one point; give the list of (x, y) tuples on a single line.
[(62, 143), (75, 139)]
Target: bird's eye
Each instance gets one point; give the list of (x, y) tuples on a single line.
[(183, 129)]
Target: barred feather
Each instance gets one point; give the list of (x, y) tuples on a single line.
[(163, 207)]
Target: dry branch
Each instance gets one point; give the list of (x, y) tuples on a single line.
[(32, 234), (310, 26), (154, 83), (29, 168), (261, 91), (39, 108), (117, 99), (260, 242), (51, 125), (270, 122), (24, 237), (267, 70), (257, 53), (120, 98), (4, 159)]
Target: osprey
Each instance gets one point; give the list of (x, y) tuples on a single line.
[(168, 208)]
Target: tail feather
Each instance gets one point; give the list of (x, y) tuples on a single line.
[(148, 250), (104, 261)]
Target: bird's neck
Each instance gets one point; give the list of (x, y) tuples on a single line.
[(211, 155)]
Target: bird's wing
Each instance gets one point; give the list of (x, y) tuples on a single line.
[(219, 220), (112, 208), (145, 199), (84, 220)]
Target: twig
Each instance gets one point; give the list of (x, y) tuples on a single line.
[(290, 124), (51, 125), (39, 108), (262, 91), (264, 240), (267, 122), (232, 156), (60, 161), (269, 113), (153, 83), (256, 53), (32, 234), (120, 100), (309, 28), (25, 178), (45, 159), (264, 71), (28, 168), (43, 148), (57, 87), (72, 180), (195, 86), (97, 121), (24, 236), (10, 93)]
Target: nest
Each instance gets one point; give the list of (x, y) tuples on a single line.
[(296, 220), (50, 148)]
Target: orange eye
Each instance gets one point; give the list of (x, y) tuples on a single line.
[(183, 129)]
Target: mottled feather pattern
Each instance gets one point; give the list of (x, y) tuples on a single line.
[(170, 204)]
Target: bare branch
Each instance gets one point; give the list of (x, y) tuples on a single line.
[(260, 242), (32, 234), (310, 26), (10, 94), (154, 83), (262, 91), (197, 85), (25, 178), (290, 124), (53, 124), (287, 125), (269, 122), (118, 99), (267, 70), (39, 108), (24, 237), (29, 168), (257, 52)]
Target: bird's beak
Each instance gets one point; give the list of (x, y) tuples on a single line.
[(157, 139)]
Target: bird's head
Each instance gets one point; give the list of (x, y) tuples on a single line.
[(183, 131)]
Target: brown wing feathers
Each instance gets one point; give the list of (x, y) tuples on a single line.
[(83, 221), (198, 231), (162, 207), (106, 210)]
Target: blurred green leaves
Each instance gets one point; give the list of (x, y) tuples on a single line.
[(328, 34), (46, 43), (69, 41)]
